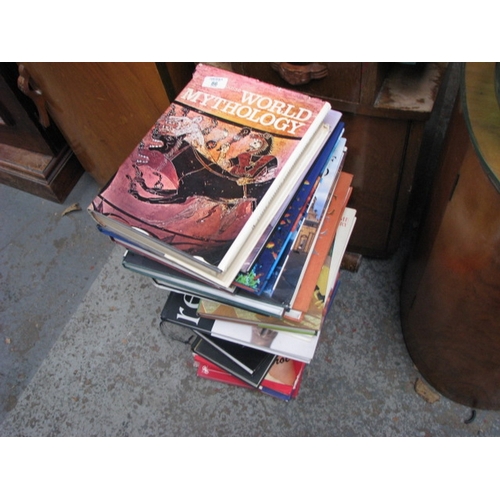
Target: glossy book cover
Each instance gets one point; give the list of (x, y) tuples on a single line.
[(203, 184)]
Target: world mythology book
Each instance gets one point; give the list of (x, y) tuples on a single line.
[(209, 177)]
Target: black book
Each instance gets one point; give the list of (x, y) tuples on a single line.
[(210, 352), (181, 309)]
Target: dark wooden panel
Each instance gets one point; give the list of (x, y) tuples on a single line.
[(32, 159), (48, 176), (17, 128), (385, 106), (375, 158)]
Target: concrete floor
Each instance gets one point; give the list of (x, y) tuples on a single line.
[(81, 353), (47, 263)]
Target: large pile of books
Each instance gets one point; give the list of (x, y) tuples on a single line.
[(235, 202)]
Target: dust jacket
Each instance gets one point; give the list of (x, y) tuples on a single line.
[(205, 182)]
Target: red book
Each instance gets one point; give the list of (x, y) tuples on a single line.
[(283, 379), (208, 370)]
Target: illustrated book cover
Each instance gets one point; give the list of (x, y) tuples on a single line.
[(329, 274), (206, 181), (307, 184), (310, 322), (182, 310)]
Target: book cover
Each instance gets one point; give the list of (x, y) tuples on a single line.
[(206, 181), (206, 369), (182, 310), (218, 310), (295, 321), (329, 162), (328, 281), (342, 236), (283, 379), (289, 344), (169, 279)]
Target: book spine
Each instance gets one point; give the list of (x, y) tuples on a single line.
[(304, 292)]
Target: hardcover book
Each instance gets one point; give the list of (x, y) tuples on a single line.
[(290, 345), (210, 371), (281, 343), (342, 237), (169, 279), (274, 339), (282, 381), (310, 322), (210, 176), (208, 351), (314, 169), (330, 271)]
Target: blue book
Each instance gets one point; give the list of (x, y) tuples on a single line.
[(278, 244)]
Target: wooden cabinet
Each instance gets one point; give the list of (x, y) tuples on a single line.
[(450, 296), (103, 109), (34, 157), (385, 107)]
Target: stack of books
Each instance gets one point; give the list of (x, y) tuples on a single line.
[(235, 202)]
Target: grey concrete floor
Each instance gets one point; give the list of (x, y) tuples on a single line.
[(81, 353), (47, 263)]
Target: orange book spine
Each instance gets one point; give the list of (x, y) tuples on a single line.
[(340, 198)]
